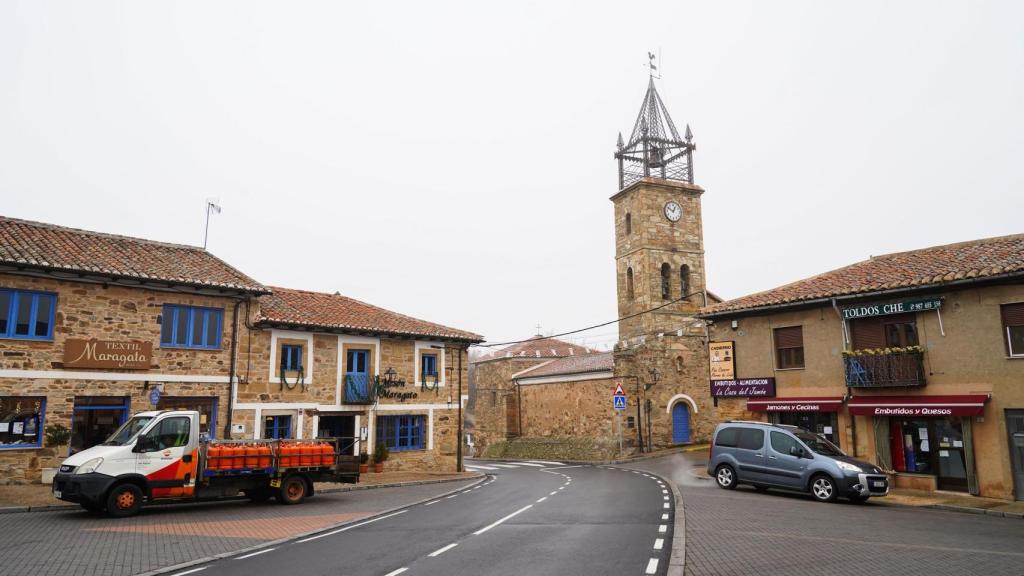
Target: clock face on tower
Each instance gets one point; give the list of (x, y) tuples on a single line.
[(673, 211)]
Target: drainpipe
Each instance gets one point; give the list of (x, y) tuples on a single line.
[(231, 370)]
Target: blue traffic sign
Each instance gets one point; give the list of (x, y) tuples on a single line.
[(619, 402)]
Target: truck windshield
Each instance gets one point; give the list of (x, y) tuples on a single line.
[(819, 445), (128, 431)]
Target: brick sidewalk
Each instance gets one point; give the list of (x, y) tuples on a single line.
[(72, 541)]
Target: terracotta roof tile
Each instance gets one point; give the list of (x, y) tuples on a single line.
[(922, 268), (536, 347), (333, 311), (582, 364), (43, 246)]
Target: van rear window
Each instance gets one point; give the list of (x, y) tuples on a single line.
[(727, 437), (751, 439)]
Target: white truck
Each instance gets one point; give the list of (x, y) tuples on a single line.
[(160, 456)]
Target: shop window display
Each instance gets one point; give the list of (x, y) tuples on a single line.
[(21, 421)]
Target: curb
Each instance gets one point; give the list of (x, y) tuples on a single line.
[(352, 488), (646, 456), (280, 541)]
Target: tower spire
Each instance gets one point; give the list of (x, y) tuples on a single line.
[(655, 147)]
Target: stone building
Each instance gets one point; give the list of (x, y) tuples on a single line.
[(495, 414), (324, 365), (912, 361), (94, 327)]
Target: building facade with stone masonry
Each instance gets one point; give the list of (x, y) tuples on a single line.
[(913, 361), (324, 365), (94, 327), (569, 397), (495, 415)]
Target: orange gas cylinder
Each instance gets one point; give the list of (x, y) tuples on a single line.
[(237, 454), (213, 458), (326, 455), (264, 452), (252, 454), (285, 452), (306, 459)]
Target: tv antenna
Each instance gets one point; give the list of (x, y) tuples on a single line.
[(212, 204)]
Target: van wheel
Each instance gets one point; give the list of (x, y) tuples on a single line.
[(823, 488), (725, 476), (293, 490), (124, 500)]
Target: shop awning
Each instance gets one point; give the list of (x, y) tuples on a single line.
[(802, 404), (963, 405)]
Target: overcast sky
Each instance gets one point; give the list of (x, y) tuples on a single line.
[(454, 161)]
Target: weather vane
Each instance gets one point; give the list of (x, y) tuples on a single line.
[(653, 67)]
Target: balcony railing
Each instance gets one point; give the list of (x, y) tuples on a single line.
[(358, 389), (888, 367)]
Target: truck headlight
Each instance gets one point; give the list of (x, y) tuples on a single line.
[(89, 466), (848, 467)]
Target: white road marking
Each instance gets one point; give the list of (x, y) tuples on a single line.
[(664, 516), (659, 543), (396, 572), (452, 496), (664, 491), (479, 467), (530, 464), (264, 551), (665, 497), (542, 499), (440, 551), (339, 530), (548, 462), (194, 570), (553, 493), (506, 466), (666, 505), (489, 526), (663, 528), (434, 502), (561, 487), (652, 566)]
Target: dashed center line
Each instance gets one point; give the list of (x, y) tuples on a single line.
[(396, 572), (440, 551), (489, 526), (553, 493), (542, 499)]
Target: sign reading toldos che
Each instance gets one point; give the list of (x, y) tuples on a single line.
[(897, 307), (722, 356), (131, 355)]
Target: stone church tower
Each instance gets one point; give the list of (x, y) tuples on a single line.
[(659, 265)]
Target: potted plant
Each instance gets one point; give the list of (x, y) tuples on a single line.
[(364, 463), (380, 455), (56, 437)]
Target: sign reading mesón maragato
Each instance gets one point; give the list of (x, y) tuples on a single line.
[(130, 355)]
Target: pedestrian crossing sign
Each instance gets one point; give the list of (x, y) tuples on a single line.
[(619, 402)]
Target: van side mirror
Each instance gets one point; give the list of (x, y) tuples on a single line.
[(796, 451)]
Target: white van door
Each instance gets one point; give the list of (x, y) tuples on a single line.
[(168, 456)]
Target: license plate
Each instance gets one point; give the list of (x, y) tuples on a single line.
[(56, 493), (878, 484)]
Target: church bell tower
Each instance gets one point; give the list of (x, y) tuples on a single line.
[(659, 240)]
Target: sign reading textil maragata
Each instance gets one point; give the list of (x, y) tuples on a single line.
[(743, 387), (896, 307)]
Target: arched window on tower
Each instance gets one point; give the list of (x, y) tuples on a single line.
[(629, 283), (684, 280), (629, 223), (666, 274)]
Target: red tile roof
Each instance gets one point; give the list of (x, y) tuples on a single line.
[(987, 258), (40, 246), (569, 365), (536, 347), (302, 308)]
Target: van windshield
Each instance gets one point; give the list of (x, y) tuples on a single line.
[(819, 445), (128, 431)]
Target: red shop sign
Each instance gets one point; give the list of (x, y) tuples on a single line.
[(962, 405)]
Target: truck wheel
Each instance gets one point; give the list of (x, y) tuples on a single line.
[(124, 500), (293, 490)]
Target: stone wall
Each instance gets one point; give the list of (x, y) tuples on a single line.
[(493, 388), (578, 409), (107, 312)]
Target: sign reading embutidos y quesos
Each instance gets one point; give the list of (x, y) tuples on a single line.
[(748, 387), (131, 355)]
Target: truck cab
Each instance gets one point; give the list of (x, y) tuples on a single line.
[(152, 455)]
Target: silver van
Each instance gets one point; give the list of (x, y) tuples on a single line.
[(777, 456)]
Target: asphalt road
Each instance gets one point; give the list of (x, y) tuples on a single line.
[(742, 531), (525, 519)]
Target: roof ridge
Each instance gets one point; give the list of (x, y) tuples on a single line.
[(960, 244), (60, 228)]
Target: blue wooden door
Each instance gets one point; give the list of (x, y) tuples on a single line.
[(680, 423)]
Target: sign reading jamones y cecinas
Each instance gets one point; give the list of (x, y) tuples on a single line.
[(131, 355)]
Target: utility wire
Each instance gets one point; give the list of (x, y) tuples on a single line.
[(610, 322)]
